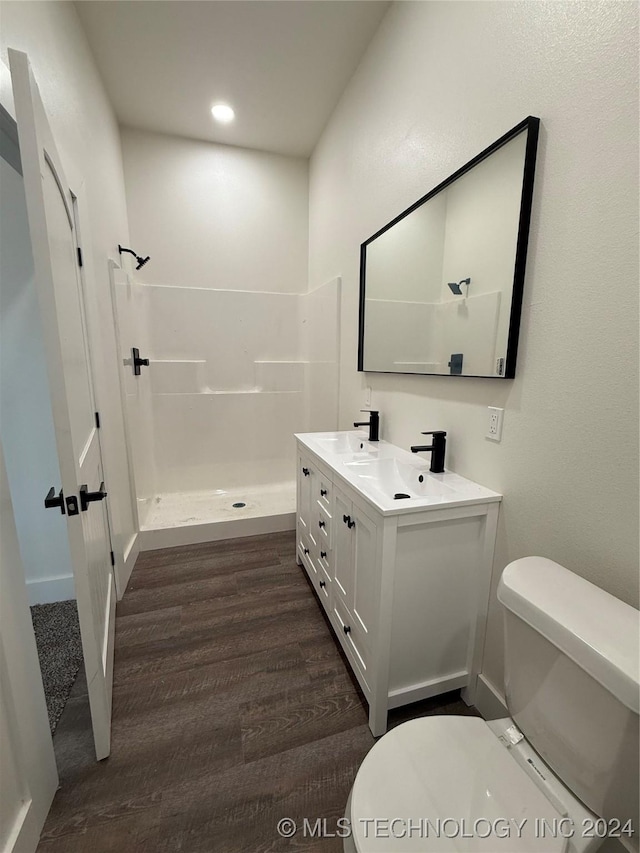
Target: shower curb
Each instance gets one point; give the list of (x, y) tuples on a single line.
[(153, 539)]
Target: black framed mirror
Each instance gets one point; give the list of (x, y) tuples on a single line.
[(441, 284)]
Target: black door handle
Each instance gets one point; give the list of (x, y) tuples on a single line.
[(323, 584), (321, 524), (305, 471), (51, 501), (138, 362), (323, 554), (346, 629), (87, 497), (323, 493)]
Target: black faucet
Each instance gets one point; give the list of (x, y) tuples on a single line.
[(437, 450), (373, 423)]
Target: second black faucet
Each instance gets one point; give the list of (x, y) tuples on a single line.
[(437, 448), (373, 423)]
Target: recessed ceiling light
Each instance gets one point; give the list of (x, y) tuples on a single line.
[(223, 113)]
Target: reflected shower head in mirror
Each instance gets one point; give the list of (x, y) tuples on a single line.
[(140, 260)]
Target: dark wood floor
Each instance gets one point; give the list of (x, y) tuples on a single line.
[(232, 708)]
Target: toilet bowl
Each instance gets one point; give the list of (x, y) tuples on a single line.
[(557, 776)]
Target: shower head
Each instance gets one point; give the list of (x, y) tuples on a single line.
[(456, 286), (140, 260)]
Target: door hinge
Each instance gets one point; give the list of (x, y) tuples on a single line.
[(79, 256), (113, 558), (97, 420)]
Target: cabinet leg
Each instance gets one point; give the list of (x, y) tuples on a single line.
[(378, 720)]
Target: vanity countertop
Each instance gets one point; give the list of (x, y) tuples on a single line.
[(379, 471)]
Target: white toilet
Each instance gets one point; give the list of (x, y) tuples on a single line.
[(558, 774)]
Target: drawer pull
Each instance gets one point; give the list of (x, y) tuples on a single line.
[(323, 554), (323, 493), (323, 584), (306, 551), (321, 524), (348, 522), (346, 629), (305, 471)]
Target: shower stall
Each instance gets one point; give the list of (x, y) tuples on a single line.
[(232, 375)]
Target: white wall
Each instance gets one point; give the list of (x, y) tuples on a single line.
[(87, 133), (216, 216), (26, 422), (439, 82)]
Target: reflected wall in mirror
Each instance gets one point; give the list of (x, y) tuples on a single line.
[(441, 285)]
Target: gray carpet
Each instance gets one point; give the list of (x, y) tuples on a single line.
[(60, 651)]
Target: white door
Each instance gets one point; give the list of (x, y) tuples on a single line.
[(54, 244)]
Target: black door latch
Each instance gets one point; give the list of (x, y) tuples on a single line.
[(87, 497), (51, 501)]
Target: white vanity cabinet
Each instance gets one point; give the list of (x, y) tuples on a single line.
[(405, 584)]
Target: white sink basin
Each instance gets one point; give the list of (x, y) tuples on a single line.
[(379, 471), (399, 480), (347, 442)]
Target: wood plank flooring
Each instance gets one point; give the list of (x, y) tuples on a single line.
[(233, 707)]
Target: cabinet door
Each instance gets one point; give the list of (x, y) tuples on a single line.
[(304, 496), (343, 548), (362, 604)]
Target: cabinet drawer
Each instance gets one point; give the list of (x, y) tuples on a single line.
[(325, 491), (322, 529), (351, 635), (323, 587), (325, 561), (307, 557)]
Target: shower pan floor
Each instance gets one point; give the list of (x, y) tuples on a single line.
[(187, 518)]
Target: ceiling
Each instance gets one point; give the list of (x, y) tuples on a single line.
[(282, 65)]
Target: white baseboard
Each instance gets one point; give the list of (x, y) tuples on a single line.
[(489, 701), (47, 590), (194, 534)]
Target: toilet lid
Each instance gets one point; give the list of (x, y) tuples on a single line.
[(449, 784)]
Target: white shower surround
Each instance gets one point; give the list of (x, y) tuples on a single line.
[(232, 376)]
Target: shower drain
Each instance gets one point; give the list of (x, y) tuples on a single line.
[(239, 505)]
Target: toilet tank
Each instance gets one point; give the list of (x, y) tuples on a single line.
[(572, 682)]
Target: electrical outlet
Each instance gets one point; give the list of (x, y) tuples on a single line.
[(494, 425)]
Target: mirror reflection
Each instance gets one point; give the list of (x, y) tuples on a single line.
[(441, 285)]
